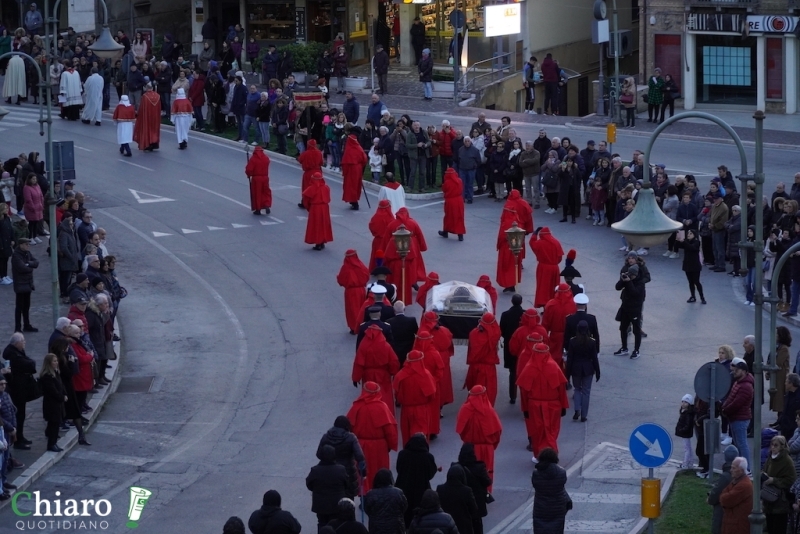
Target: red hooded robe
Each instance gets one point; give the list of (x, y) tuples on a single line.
[(453, 189), (443, 342), (530, 323), (482, 356), (548, 253), (423, 342), (377, 227), (310, 161), (376, 429), (508, 271), (422, 292), (544, 392), (376, 361), (524, 215), (147, 129), (417, 240), (353, 277), (478, 423), (257, 170), (317, 199), (353, 162), (414, 387), (485, 283), (394, 262), (555, 320)]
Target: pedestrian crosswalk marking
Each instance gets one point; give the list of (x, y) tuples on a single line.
[(186, 231), (160, 234), (240, 225), (212, 228), (267, 223)]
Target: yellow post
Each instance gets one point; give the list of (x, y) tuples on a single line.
[(651, 497), (611, 132)]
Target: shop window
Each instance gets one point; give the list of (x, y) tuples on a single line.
[(726, 65), (668, 56), (270, 20), (774, 68), (726, 70)]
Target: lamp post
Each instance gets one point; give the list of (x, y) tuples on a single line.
[(402, 242), (516, 242), (646, 226), (647, 217)]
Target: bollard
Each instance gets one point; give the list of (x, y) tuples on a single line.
[(651, 497)]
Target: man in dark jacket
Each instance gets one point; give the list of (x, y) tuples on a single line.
[(571, 328), (415, 468), (550, 76), (348, 451), (478, 480), (509, 323), (631, 286), (381, 65), (385, 505), (239, 103), (270, 64), (404, 331), (328, 483), (787, 421), (270, 519), (425, 68), (22, 265), (469, 159), (135, 83), (22, 370), (417, 32), (457, 500), (351, 109)]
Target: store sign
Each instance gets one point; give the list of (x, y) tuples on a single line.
[(771, 24), (503, 19), (300, 23), (718, 22)]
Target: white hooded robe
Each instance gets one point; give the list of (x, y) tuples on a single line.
[(181, 119), (93, 90)]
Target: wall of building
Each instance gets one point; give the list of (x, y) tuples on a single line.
[(174, 16)]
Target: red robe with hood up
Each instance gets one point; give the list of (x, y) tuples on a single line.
[(414, 387), (376, 362), (524, 215), (507, 264), (555, 320), (434, 364), (376, 429), (310, 161), (453, 190), (422, 293), (482, 356), (317, 199), (257, 170), (382, 218), (485, 283), (353, 162), (443, 342), (414, 261), (548, 253), (353, 277), (477, 423)]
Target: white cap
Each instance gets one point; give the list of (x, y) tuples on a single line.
[(378, 289), (581, 298), (240, 74), (688, 398)]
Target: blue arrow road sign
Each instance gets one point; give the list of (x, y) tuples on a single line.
[(650, 445)]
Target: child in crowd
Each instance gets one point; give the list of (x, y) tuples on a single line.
[(375, 161), (685, 429), (597, 200)]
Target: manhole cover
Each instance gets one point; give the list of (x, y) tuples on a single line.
[(135, 384)]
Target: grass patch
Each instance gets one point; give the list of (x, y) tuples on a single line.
[(685, 511)]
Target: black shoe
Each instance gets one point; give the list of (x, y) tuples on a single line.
[(461, 237), (576, 415), (121, 150), (22, 446), (9, 485), (702, 300), (115, 338), (621, 351), (443, 234), (83, 441), (433, 437), (300, 205), (267, 211), (583, 419), (692, 299), (316, 247), (563, 220), (55, 448), (97, 123), (643, 333), (29, 328), (509, 289), (635, 355), (354, 206), (24, 441), (512, 401), (5, 495)]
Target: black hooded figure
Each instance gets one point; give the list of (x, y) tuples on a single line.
[(328, 483), (348, 451), (429, 518), (345, 522), (457, 500), (385, 505), (270, 517), (415, 468), (551, 501), (478, 480)]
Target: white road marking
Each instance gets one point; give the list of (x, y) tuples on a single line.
[(82, 454), (156, 423), (149, 197), (282, 187), (241, 225), (136, 165), (187, 231), (160, 234), (218, 194), (212, 228), (607, 498), (268, 223), (3, 129), (86, 150), (622, 525), (113, 430), (277, 220)]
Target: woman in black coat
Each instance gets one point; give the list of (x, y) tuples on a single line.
[(6, 243), (691, 264), (385, 505), (429, 517), (53, 398), (415, 468), (457, 500), (67, 367), (569, 187), (325, 67), (348, 450), (478, 480), (551, 501), (498, 163)]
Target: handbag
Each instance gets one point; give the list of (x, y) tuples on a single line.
[(384, 160), (770, 493), (646, 99), (343, 72), (32, 388), (283, 129), (626, 99), (765, 265), (675, 95)]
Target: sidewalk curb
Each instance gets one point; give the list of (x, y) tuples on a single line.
[(738, 290), (36, 470)]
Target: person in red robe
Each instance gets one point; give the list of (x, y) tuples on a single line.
[(554, 320), (508, 272), (423, 342), (376, 429), (529, 324), (257, 171), (485, 283), (453, 190), (414, 387), (544, 393), (376, 361), (548, 253), (477, 423), (417, 242), (353, 277), (533, 339), (353, 162), (482, 359), (317, 199), (382, 218), (524, 216), (147, 129), (392, 258), (310, 161), (422, 292), (443, 342)]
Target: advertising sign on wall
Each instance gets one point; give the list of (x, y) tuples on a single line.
[(503, 19)]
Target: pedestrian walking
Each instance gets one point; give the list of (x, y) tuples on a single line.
[(257, 171), (551, 502), (691, 263), (353, 162), (582, 365), (353, 277), (385, 505), (380, 62), (147, 129), (425, 69), (477, 423), (93, 93), (328, 483), (453, 190), (414, 388), (482, 359), (631, 286), (124, 118), (429, 518), (270, 518), (549, 253), (181, 116), (457, 500), (317, 200), (376, 429), (348, 451)]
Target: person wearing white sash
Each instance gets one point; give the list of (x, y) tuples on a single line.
[(181, 117), (124, 117)]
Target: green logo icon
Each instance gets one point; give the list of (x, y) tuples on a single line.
[(139, 498)]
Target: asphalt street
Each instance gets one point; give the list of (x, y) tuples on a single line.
[(242, 325)]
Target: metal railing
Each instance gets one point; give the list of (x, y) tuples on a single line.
[(487, 71)]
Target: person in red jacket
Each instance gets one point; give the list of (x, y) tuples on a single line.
[(548, 253), (317, 200), (376, 361), (554, 320), (477, 423), (257, 170), (353, 162), (442, 342), (382, 218), (423, 342), (544, 399), (550, 77), (508, 272), (83, 380), (310, 161), (444, 142), (422, 292), (197, 96), (353, 277), (738, 406), (453, 190), (414, 387), (482, 359), (375, 426)]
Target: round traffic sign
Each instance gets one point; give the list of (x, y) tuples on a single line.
[(650, 445), (457, 18), (702, 381)]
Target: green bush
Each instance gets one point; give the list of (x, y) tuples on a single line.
[(304, 55)]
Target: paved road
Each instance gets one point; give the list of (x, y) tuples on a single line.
[(242, 326)]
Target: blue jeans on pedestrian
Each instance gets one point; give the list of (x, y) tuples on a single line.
[(263, 127), (337, 156), (795, 297), (749, 282), (428, 89), (250, 120), (718, 242), (468, 177), (580, 396), (738, 431)]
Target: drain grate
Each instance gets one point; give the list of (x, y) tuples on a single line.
[(135, 384)]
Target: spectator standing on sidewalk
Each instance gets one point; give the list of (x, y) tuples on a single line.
[(23, 370), (737, 406), (425, 69), (550, 76), (22, 265), (6, 243), (351, 109), (340, 61), (381, 65)]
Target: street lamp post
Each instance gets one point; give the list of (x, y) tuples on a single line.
[(402, 242), (647, 217), (646, 226), (516, 242)]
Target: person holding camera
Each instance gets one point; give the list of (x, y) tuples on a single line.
[(632, 296)]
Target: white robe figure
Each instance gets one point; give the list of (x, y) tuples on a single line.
[(125, 126), (93, 90), (181, 117), (69, 94), (396, 197), (14, 84)]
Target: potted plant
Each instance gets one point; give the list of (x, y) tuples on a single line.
[(304, 59)]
